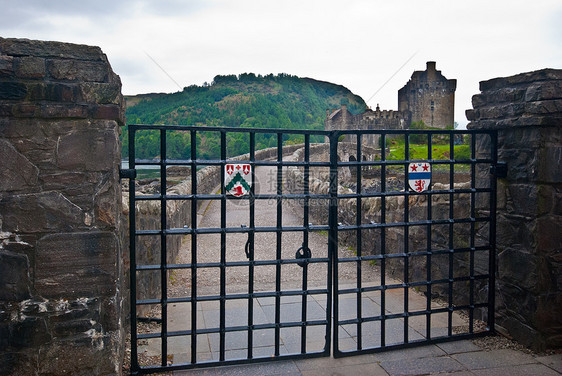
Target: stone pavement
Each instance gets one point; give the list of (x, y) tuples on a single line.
[(461, 358)]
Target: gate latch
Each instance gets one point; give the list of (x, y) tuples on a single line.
[(249, 253), (127, 173), (303, 253), (499, 170)]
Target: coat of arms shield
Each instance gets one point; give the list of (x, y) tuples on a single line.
[(419, 176), (237, 179)]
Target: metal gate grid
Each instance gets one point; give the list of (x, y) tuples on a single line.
[(346, 329)]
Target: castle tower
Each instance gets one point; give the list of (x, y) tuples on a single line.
[(429, 97)]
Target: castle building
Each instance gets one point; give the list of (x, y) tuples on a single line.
[(428, 96)]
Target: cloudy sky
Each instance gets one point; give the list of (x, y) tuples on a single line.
[(369, 46)]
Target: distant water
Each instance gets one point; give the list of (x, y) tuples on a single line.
[(125, 164)]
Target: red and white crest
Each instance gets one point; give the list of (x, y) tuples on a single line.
[(237, 179)]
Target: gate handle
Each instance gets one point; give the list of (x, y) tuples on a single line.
[(246, 247), (303, 253)]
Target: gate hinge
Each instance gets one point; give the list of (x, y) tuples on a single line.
[(499, 170), (127, 173)]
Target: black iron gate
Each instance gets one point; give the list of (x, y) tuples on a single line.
[(324, 242)]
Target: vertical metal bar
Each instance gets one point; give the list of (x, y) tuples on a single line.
[(223, 252), (383, 240), (492, 254), (193, 141), (333, 244), (451, 233), (305, 240), (132, 253), (406, 236), (358, 216), (278, 257), (251, 230), (472, 232), (163, 247), (428, 249)]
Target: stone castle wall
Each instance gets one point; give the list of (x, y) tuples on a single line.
[(60, 256), (526, 109)]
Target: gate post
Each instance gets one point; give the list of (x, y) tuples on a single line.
[(526, 111), (61, 110)]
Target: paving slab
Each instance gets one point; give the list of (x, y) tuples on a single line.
[(422, 366), (357, 369), (493, 359), (259, 369), (552, 361), (456, 347), (520, 370)]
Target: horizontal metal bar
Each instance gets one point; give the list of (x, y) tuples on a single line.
[(312, 260), (411, 193), (413, 343), (200, 129), (291, 196), (230, 329)]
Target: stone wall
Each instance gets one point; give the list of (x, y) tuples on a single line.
[(526, 109), (60, 263)]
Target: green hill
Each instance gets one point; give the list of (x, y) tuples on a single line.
[(247, 100)]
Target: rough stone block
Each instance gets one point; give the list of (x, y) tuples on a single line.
[(72, 265), (58, 92), (29, 67), (102, 93), (523, 199), (90, 150), (110, 112), (18, 363), (91, 356), (26, 110), (18, 173), (549, 234), (6, 66), (550, 169), (549, 107), (75, 70), (39, 212), (516, 138), (29, 332), (519, 268), (522, 164), (79, 111), (515, 231), (539, 91), (13, 90), (14, 276)]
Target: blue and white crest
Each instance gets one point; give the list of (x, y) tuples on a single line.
[(419, 176)]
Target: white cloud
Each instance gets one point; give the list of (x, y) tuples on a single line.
[(358, 43)]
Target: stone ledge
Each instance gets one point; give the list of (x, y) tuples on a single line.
[(547, 74), (27, 47)]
